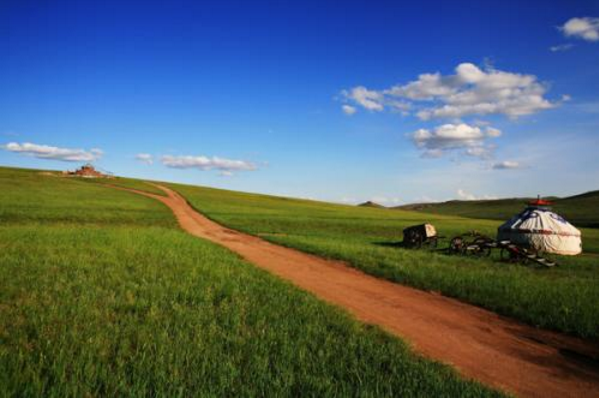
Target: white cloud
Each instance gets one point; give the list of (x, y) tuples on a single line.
[(470, 139), (470, 91), (55, 153), (464, 195), (586, 28), (207, 163), (492, 132), (369, 99), (507, 165), (148, 159), (348, 109), (561, 47), (483, 152), (427, 87), (463, 98)]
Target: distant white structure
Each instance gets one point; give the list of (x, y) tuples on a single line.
[(540, 228)]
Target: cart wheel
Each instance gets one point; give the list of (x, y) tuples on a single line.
[(507, 255), (483, 249), (456, 245), (412, 240)]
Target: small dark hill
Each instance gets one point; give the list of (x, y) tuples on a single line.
[(590, 194), (370, 204), (582, 210)]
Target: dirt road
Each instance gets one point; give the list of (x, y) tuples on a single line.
[(498, 351)]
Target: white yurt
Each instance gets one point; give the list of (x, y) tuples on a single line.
[(540, 228)]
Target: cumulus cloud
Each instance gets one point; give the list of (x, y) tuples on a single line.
[(561, 47), (463, 98), (507, 165), (148, 159), (207, 163), (427, 87), (470, 91), (586, 28), (492, 132), (348, 109), (483, 152), (54, 153), (464, 195), (369, 99), (470, 139), (477, 92)]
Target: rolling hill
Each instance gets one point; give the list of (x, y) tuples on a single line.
[(367, 239), (102, 295), (582, 210), (370, 204), (85, 263)]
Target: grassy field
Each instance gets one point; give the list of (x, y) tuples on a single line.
[(582, 210), (28, 197), (127, 183), (565, 298), (102, 295)]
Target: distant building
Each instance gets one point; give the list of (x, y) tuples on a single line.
[(86, 170)]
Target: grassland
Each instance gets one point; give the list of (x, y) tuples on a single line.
[(125, 182), (582, 210), (102, 295), (565, 298)]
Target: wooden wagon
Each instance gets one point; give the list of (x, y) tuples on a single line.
[(420, 235)]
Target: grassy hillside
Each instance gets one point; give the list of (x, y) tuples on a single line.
[(565, 298), (102, 295), (126, 183), (581, 210)]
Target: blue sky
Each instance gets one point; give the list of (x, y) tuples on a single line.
[(251, 95)]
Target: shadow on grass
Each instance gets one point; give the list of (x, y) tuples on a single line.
[(400, 244), (390, 244)]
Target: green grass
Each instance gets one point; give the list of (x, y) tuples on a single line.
[(126, 183), (28, 196), (565, 298), (102, 295), (581, 210)]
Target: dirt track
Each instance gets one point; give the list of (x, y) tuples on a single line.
[(498, 351)]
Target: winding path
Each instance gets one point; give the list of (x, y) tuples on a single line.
[(495, 350)]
